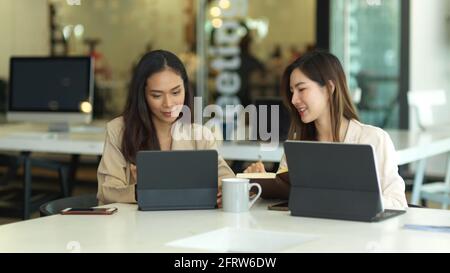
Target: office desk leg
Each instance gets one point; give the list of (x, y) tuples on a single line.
[(418, 181), (447, 184), (26, 185)]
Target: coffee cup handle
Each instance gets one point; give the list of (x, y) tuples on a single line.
[(253, 200)]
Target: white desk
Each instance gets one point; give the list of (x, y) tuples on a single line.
[(28, 138), (410, 146), (35, 138), (250, 151), (134, 231), (413, 146), (418, 147)]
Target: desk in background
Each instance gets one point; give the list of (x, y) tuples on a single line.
[(411, 147)]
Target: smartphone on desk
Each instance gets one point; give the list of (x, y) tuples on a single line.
[(89, 211), (282, 206)]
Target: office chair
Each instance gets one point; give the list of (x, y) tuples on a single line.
[(368, 99), (431, 109), (12, 164), (61, 168), (55, 207)]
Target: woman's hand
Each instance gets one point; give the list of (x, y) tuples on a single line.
[(219, 199), (257, 167), (133, 170)]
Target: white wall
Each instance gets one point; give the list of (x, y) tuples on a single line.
[(430, 55), (125, 27), (5, 34), (430, 45), (23, 30)]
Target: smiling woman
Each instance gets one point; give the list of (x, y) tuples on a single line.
[(160, 84), (166, 93), (315, 90), (158, 90)]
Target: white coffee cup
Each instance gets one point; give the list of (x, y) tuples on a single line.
[(236, 194)]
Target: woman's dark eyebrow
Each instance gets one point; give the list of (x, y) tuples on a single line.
[(159, 91), (298, 84)]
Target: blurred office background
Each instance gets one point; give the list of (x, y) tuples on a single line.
[(388, 48)]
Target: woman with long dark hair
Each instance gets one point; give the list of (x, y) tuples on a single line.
[(314, 88), (158, 91)]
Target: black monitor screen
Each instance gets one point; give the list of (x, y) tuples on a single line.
[(49, 84)]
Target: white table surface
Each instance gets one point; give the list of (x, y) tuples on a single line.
[(35, 138), (131, 230), (410, 146)]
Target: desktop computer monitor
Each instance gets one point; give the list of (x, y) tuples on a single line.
[(54, 90)]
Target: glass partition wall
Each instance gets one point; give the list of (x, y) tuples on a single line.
[(367, 36), (235, 50)]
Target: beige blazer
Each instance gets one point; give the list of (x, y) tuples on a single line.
[(115, 182), (391, 183)]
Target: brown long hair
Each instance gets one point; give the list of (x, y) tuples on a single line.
[(321, 67), (139, 130)]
